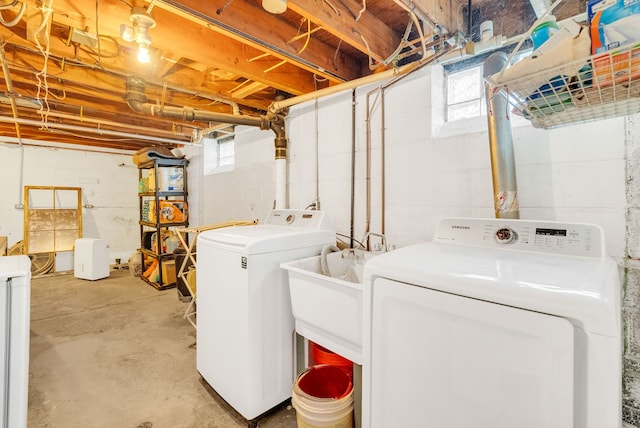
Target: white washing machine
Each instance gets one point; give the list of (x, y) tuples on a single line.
[(495, 324), (245, 330)]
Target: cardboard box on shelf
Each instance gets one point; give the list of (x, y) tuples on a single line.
[(151, 180), (169, 271), (170, 211), (613, 24), (618, 66)]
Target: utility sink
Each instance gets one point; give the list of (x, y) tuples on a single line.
[(327, 300)]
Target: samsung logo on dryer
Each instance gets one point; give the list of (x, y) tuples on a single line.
[(455, 226)]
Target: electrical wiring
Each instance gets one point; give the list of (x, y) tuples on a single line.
[(150, 8), (98, 33), (113, 54), (8, 5), (15, 20), (224, 6), (372, 64), (335, 55), (402, 43), (306, 43), (335, 9), (41, 76), (417, 23), (317, 79), (364, 7)]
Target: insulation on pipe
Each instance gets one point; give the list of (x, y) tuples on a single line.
[(503, 169)]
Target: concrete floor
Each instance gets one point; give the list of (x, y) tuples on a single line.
[(118, 353)]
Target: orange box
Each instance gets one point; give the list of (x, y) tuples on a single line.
[(619, 67), (168, 271), (170, 211)]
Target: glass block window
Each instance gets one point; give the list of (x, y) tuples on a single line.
[(465, 94)]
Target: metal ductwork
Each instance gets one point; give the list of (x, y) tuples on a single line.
[(274, 121), (503, 166)]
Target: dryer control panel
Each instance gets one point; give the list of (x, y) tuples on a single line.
[(577, 239), (315, 220)]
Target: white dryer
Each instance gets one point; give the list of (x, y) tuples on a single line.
[(15, 297), (495, 324), (245, 331)]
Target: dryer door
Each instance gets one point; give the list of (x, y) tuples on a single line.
[(446, 361)]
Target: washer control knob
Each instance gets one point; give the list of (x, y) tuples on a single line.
[(290, 218), (506, 235)]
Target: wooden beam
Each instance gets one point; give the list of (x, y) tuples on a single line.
[(176, 36), (248, 23), (368, 34)]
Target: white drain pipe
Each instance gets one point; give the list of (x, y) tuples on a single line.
[(503, 166)]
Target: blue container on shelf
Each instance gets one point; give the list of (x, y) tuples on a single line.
[(544, 31)]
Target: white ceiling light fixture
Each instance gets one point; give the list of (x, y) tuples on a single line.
[(139, 32), (274, 6)]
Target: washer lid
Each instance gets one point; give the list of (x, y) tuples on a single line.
[(585, 290), (264, 238), (15, 266)]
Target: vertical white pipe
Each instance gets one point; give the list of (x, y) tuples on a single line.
[(281, 184)]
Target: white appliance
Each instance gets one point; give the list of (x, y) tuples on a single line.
[(495, 324), (91, 259), (15, 280), (245, 331)]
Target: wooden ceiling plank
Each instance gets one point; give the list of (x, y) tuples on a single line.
[(381, 40), (175, 32), (99, 79), (247, 22), (248, 89)]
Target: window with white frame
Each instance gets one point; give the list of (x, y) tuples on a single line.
[(464, 94), (219, 153), (464, 86)]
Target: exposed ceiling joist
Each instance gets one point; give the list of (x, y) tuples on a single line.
[(220, 56)]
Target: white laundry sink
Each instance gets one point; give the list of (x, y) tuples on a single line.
[(328, 309)]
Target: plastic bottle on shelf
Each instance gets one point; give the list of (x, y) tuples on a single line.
[(547, 28)]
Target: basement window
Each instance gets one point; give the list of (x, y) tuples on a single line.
[(460, 106), (465, 94), (219, 153)]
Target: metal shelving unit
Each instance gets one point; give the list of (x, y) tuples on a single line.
[(153, 221), (598, 87)]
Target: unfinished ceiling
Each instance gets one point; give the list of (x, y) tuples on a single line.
[(67, 64)]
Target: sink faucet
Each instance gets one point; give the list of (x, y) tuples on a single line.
[(379, 235)]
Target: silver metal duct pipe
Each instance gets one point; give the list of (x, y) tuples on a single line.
[(503, 169)]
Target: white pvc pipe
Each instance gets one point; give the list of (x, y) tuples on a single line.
[(281, 184)]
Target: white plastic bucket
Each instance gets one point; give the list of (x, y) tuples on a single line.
[(322, 411)]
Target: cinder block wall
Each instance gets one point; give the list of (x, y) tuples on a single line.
[(631, 300), (582, 173), (109, 183)]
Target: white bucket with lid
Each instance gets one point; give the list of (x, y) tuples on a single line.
[(323, 398)]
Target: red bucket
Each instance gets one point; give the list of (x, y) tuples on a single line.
[(322, 355), (325, 381)]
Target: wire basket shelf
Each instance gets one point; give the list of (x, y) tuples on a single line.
[(598, 87)]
